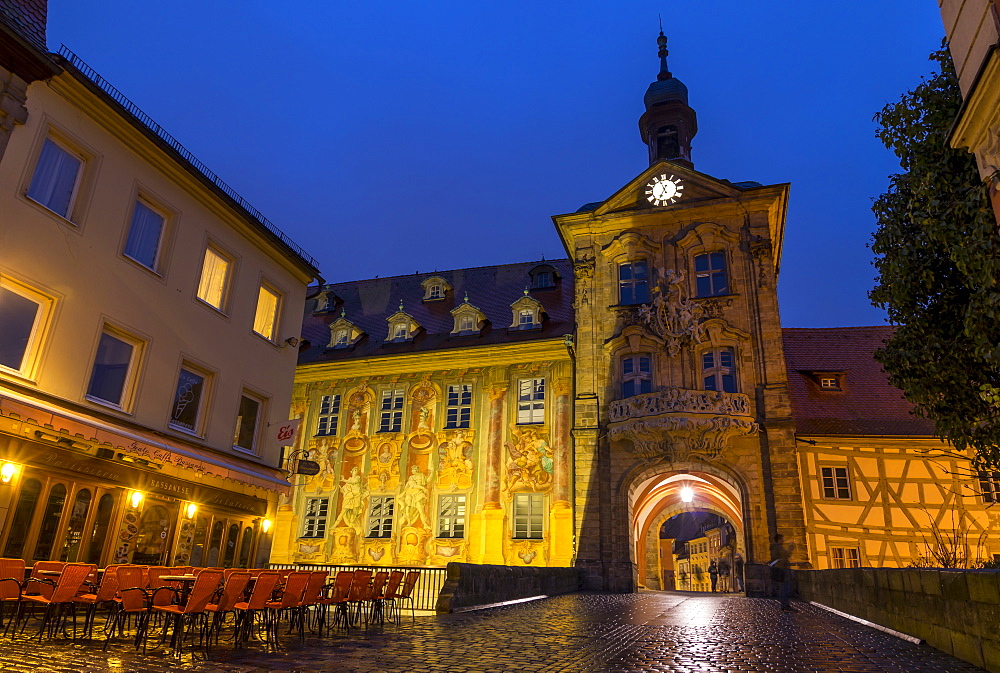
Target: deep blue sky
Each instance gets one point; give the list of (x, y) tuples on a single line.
[(394, 137)]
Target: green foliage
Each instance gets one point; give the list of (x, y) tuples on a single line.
[(938, 260)]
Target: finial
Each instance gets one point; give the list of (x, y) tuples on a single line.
[(525, 290), (400, 304), (343, 313), (466, 297), (661, 41)]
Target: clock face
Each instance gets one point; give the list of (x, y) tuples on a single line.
[(663, 190)]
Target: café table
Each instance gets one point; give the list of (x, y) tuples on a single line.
[(186, 581)]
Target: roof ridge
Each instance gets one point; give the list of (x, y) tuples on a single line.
[(431, 274)]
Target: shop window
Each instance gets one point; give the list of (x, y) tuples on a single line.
[(315, 516), (186, 411), (711, 279), (845, 557), (246, 544), (459, 410), (74, 529), (114, 368), (145, 233), (451, 516), (56, 179), (198, 542), (154, 538), (380, 516), (836, 483), (247, 423), (215, 544), (391, 415), (637, 377), (528, 516), (231, 539), (20, 524), (530, 401), (633, 283), (216, 273), (266, 316), (329, 415), (102, 521), (51, 516), (23, 313), (718, 370)]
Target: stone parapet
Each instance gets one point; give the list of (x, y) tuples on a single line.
[(956, 611), (470, 585)]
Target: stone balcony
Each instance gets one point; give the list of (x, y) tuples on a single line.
[(678, 423)]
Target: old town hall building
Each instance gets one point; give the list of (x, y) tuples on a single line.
[(559, 412)]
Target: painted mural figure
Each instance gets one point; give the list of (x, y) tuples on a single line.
[(455, 462), (531, 461), (413, 499), (353, 492)]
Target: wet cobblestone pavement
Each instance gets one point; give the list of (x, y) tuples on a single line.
[(676, 633)]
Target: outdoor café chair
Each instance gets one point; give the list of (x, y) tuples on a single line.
[(61, 597), (132, 601), (289, 603), (104, 593), (11, 579), (38, 573), (313, 593), (373, 597), (232, 592), (391, 592), (356, 596), (194, 609), (406, 593), (337, 598), (247, 611)]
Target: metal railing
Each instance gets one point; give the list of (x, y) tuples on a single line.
[(425, 594), (132, 109)]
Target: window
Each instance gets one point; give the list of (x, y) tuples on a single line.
[(543, 279), (633, 283), (459, 409), (530, 401), (380, 516), (391, 418), (667, 143), (829, 383), (215, 273), (247, 422), (845, 557), (435, 292), (528, 516), (399, 332), (114, 366), (22, 316), (315, 516), (466, 324), (526, 319), (718, 371), (329, 414), (710, 274), (989, 486), (266, 318), (56, 178), (144, 235), (836, 485), (186, 411), (636, 375), (451, 516), (341, 338)]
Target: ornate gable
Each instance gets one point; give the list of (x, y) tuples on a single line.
[(344, 333), (436, 288), (402, 326), (527, 313), (667, 185), (469, 320)]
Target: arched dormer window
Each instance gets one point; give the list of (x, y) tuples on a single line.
[(343, 333), (527, 313), (469, 320), (543, 277), (402, 326), (436, 288), (326, 301)]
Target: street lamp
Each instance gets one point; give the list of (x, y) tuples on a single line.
[(687, 494)]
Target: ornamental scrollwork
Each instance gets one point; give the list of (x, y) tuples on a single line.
[(679, 400), (679, 438), (672, 315)]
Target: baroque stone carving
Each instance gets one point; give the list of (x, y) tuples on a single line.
[(714, 307), (672, 315), (583, 266), (679, 400), (760, 250)]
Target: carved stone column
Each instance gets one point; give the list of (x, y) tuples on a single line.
[(491, 536)]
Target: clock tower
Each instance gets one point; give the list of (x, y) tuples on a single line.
[(668, 124)]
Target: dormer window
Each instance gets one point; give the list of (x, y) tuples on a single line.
[(466, 324), (469, 320), (526, 319), (399, 332), (436, 288), (527, 313), (325, 301), (402, 326), (543, 277), (341, 338), (828, 383), (343, 333)]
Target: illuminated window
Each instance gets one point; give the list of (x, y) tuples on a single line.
[(114, 367), (391, 416), (56, 179), (400, 331), (836, 483), (144, 235), (526, 319), (435, 292), (529, 516), (341, 338), (247, 422), (459, 410), (266, 317), (315, 517), (215, 276), (829, 383), (845, 557), (380, 516), (188, 398), (633, 283), (23, 315), (329, 414), (710, 274), (466, 324), (636, 375), (718, 370), (451, 516), (530, 401)]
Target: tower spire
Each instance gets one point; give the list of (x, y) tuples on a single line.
[(661, 42), (669, 123)]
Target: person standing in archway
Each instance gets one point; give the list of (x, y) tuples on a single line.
[(724, 575), (713, 573), (738, 572)]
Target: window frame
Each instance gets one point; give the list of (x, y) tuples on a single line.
[(451, 525), (75, 204), (718, 370), (333, 412), (531, 520), (265, 286), (532, 405), (390, 419), (384, 520), (632, 283), (204, 400), (230, 276), (844, 559), (255, 444), (989, 486), (636, 375), (835, 490), (166, 215), (462, 408), (31, 355), (130, 382), (710, 273), (314, 524)]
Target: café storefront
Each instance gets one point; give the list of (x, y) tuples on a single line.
[(78, 489)]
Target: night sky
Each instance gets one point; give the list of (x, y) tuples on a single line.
[(393, 137)]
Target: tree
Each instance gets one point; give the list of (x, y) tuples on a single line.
[(938, 261)]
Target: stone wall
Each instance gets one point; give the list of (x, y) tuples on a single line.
[(956, 611), (470, 585)]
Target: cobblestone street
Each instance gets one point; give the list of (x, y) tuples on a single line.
[(684, 633)]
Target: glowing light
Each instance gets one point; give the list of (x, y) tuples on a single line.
[(687, 494), (191, 510), (136, 499), (7, 472), (265, 525)]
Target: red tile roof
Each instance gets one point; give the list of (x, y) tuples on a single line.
[(866, 405)]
